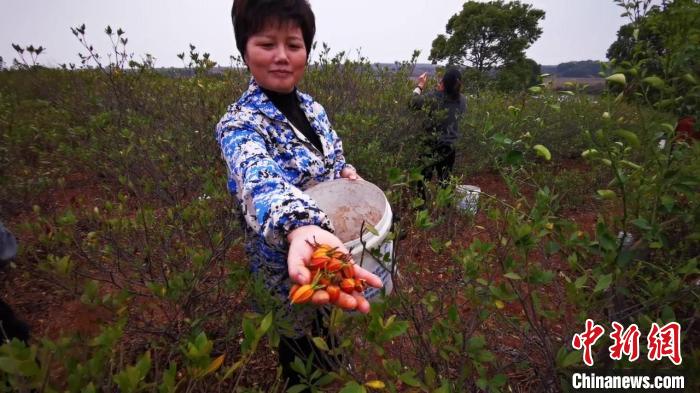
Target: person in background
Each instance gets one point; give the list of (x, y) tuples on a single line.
[(10, 326), (444, 108), (685, 130), (276, 142)]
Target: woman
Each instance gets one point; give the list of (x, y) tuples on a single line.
[(277, 141), (445, 106), (10, 326)]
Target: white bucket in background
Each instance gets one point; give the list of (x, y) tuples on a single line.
[(627, 239), (468, 198), (349, 203)]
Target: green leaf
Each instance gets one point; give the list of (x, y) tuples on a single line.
[(498, 380), (570, 359), (501, 292), (513, 276), (617, 78), (393, 330), (690, 79), (68, 218), (8, 365), (371, 229), (514, 157), (542, 152), (654, 81), (298, 366), (485, 356), (90, 388), (631, 165), (604, 282), (606, 194), (535, 89), (619, 97), (476, 342), (444, 388), (320, 343), (690, 267), (297, 388), (353, 387), (642, 223), (409, 378), (168, 384), (629, 136), (326, 379), (589, 153), (605, 238), (265, 324), (430, 376), (542, 277)]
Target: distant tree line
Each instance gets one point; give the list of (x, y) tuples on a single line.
[(581, 69)]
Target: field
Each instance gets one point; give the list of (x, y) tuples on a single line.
[(133, 277), (594, 85)]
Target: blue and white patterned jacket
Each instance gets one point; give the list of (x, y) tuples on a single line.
[(270, 163)]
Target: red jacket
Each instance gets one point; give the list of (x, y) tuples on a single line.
[(685, 129)]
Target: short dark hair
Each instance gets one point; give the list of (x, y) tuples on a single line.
[(251, 16), (452, 82)]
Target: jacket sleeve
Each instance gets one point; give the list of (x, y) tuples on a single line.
[(272, 207), (416, 102), (340, 162), (338, 154)]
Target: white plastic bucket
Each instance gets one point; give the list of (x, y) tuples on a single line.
[(349, 203), (469, 198)]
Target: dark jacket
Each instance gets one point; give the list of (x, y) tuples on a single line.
[(8, 245), (443, 115)]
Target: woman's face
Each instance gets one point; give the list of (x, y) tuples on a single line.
[(276, 56)]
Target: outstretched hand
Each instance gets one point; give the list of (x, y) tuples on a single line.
[(422, 80), (350, 173), (300, 251)]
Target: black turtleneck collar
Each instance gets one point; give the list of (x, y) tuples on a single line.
[(290, 106), (282, 100)]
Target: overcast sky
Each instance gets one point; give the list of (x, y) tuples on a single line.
[(383, 30)]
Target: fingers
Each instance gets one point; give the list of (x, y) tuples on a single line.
[(362, 303), (349, 173), (298, 272), (320, 298), (301, 275), (346, 301), (423, 78), (371, 279)]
